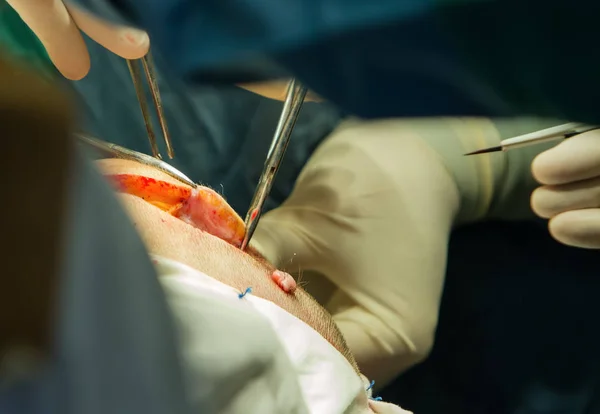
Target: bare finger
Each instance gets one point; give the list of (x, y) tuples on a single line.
[(52, 24), (126, 42)]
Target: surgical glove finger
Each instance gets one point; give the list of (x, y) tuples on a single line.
[(575, 159), (570, 192), (54, 27), (550, 200), (126, 42), (578, 228)]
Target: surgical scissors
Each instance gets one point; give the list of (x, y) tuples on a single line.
[(136, 77), (117, 151), (291, 108)]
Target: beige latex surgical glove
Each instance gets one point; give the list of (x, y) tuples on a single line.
[(570, 191), (276, 90), (369, 217), (57, 24)]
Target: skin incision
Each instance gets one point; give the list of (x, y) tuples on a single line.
[(151, 197), (200, 207)]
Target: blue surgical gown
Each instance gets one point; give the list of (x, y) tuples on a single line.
[(381, 58)]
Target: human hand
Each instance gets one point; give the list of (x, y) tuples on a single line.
[(57, 25), (359, 217), (570, 191)]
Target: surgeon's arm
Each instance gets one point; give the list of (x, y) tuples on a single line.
[(372, 212)]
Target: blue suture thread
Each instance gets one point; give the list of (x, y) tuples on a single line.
[(370, 387), (245, 292)]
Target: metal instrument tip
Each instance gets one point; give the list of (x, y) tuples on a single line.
[(291, 108), (485, 150), (152, 84)]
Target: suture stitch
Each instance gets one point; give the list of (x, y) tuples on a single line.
[(245, 292), (370, 385)]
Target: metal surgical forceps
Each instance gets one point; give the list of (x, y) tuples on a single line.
[(120, 152), (148, 67), (291, 108)]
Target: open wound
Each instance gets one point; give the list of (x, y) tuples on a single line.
[(200, 207)]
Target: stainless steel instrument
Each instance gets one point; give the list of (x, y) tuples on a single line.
[(118, 151), (291, 108), (150, 74)]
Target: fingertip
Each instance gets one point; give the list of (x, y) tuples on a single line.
[(580, 228), (74, 72), (537, 204), (126, 42), (574, 159), (535, 169), (135, 44), (543, 168), (73, 64)]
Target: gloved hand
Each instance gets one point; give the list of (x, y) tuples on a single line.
[(570, 191), (370, 217), (57, 25)]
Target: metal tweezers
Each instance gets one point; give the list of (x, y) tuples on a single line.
[(134, 70), (117, 151), (291, 108)]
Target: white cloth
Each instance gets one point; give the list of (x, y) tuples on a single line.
[(250, 356)]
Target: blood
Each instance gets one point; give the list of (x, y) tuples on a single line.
[(201, 207), (254, 214)]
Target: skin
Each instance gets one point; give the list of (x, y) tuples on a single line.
[(172, 238)]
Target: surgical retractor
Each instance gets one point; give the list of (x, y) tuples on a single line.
[(150, 74), (291, 108), (120, 152)]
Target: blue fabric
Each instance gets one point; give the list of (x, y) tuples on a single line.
[(518, 329), (16, 37), (401, 58), (214, 31)]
